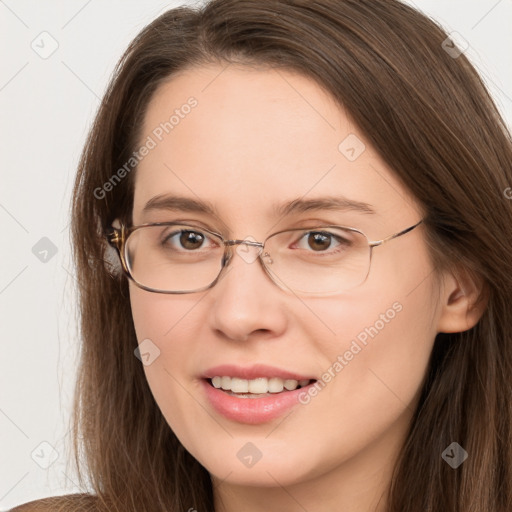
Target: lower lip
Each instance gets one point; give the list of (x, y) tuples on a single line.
[(252, 410)]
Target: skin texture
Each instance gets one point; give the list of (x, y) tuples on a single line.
[(259, 137)]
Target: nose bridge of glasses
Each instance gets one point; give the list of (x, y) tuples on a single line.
[(253, 251), (246, 242)]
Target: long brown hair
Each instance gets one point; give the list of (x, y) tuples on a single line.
[(430, 117)]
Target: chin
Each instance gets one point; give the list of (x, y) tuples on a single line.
[(257, 462)]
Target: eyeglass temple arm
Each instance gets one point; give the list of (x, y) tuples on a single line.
[(396, 235), (114, 236)]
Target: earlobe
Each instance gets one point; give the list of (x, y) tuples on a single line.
[(464, 300)]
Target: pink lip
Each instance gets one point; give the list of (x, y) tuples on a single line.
[(252, 372), (251, 410)]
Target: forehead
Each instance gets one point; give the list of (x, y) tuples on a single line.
[(245, 139)]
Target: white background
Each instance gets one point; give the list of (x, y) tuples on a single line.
[(47, 106)]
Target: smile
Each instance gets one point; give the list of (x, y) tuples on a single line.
[(254, 388), (253, 408)]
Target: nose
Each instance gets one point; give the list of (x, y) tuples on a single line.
[(245, 302)]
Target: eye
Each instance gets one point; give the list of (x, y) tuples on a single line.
[(186, 239), (321, 241)]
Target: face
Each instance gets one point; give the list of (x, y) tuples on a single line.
[(256, 139)]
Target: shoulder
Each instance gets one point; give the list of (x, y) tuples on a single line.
[(68, 503)]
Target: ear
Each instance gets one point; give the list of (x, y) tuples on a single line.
[(111, 258), (464, 299)]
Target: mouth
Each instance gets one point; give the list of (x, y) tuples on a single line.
[(260, 387), (254, 401), (254, 394)]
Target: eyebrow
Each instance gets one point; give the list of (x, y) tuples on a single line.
[(186, 204), (323, 203)]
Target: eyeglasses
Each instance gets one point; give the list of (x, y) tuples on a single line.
[(171, 257)]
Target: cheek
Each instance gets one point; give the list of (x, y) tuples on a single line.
[(169, 326), (372, 370), (159, 316), (375, 345)]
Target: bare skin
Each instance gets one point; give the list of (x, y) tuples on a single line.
[(255, 138)]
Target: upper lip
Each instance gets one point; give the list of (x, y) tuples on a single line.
[(253, 372)]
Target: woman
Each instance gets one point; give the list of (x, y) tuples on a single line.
[(293, 239)]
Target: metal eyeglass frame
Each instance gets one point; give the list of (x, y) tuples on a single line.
[(117, 238)]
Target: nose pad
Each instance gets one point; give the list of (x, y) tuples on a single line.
[(267, 259)]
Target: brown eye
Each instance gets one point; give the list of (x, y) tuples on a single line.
[(323, 242), (319, 241), (191, 239), (184, 240)]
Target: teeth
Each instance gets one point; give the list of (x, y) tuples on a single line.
[(239, 385), (276, 385), (260, 385), (257, 385), (291, 384), (226, 383)]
